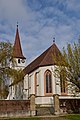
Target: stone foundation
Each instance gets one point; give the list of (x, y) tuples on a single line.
[(56, 104)]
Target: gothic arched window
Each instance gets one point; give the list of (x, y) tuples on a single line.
[(48, 82), (35, 84), (63, 82)]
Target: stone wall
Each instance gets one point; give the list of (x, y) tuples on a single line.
[(14, 108), (70, 105)]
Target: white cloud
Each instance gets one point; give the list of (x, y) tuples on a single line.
[(73, 5), (12, 8), (38, 26)]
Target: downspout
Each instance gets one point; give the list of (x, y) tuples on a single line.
[(28, 86)]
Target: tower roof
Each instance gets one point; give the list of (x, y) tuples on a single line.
[(17, 50), (45, 59)]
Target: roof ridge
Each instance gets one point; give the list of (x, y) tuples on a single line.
[(46, 53), (39, 55), (41, 60)]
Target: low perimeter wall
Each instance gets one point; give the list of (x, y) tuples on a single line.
[(14, 108), (70, 105)]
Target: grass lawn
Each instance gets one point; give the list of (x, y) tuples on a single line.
[(68, 117), (73, 117)]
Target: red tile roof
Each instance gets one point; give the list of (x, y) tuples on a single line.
[(45, 59), (17, 50)]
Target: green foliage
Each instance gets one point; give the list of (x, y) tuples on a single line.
[(5, 52), (6, 72), (4, 92), (5, 56), (73, 117), (16, 75), (69, 63)]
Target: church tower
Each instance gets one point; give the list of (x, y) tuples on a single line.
[(17, 52), (19, 61)]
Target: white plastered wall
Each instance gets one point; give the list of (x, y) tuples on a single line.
[(40, 97), (17, 66)]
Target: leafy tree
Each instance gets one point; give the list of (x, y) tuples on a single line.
[(68, 65), (16, 75), (6, 72)]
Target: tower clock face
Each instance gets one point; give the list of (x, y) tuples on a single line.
[(23, 61)]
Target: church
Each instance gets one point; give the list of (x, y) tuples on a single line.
[(39, 78)]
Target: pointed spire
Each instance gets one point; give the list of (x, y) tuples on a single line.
[(17, 50)]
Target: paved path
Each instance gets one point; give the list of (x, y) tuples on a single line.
[(52, 117)]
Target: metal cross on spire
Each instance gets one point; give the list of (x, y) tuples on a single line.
[(17, 24), (53, 39)]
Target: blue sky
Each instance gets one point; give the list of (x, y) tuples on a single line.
[(39, 22)]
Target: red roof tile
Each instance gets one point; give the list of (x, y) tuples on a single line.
[(45, 59), (17, 50)]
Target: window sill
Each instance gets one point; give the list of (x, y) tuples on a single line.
[(48, 94), (64, 94)]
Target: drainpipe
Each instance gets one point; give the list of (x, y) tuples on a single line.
[(28, 86)]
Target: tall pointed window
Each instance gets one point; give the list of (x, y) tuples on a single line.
[(62, 85), (35, 84), (48, 82), (63, 82)]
